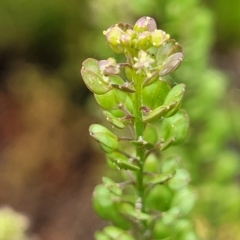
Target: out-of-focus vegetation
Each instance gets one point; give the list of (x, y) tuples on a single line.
[(47, 167)]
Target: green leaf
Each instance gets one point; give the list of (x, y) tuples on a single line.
[(107, 140), (92, 77)]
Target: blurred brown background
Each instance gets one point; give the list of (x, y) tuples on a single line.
[(48, 164)]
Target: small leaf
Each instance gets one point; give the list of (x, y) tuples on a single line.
[(107, 140)]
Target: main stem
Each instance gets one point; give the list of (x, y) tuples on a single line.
[(139, 129)]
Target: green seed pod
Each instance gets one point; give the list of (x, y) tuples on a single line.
[(133, 212), (115, 100), (101, 236), (155, 94), (124, 164), (162, 231), (151, 164), (159, 198), (150, 134), (171, 216), (106, 207), (107, 140), (174, 129), (179, 180), (112, 186), (160, 178), (170, 165), (158, 113), (92, 77), (113, 120), (184, 200), (175, 95), (169, 56), (117, 233)]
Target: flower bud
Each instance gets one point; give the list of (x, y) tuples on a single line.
[(159, 37), (145, 24), (113, 35)]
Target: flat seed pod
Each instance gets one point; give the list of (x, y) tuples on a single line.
[(116, 233), (94, 81), (155, 94), (169, 56), (124, 164), (159, 112), (107, 140), (179, 180), (175, 96), (161, 178), (113, 120), (171, 64), (166, 50), (175, 127)]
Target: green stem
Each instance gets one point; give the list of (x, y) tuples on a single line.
[(139, 129)]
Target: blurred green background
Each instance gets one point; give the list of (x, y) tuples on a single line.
[(49, 166)]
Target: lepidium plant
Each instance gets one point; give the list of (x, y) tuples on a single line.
[(152, 199)]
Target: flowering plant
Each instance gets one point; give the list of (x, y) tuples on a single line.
[(152, 199)]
